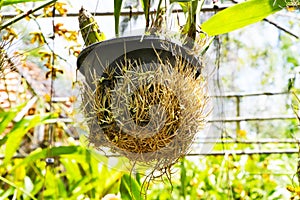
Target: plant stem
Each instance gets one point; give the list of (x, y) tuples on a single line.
[(17, 187), (21, 16)]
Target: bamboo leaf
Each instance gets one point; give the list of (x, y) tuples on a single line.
[(117, 12), (241, 15), (129, 188)]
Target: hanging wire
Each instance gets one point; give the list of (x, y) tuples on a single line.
[(50, 159), (226, 163), (96, 8)]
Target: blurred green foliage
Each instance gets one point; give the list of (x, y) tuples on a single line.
[(81, 173), (77, 173), (229, 177)]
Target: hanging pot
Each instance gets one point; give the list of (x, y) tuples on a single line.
[(146, 98), (142, 47)]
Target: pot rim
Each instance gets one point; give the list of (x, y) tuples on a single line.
[(155, 40)]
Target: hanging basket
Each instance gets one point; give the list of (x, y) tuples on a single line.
[(145, 97)]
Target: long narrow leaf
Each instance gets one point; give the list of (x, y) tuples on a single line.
[(173, 1), (17, 187), (42, 154), (11, 2), (183, 178), (189, 28), (16, 135), (241, 15), (7, 117), (82, 187), (146, 8), (23, 15), (117, 12), (129, 188), (113, 182)]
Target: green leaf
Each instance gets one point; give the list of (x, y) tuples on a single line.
[(8, 192), (292, 60), (3, 140), (89, 28), (82, 187), (14, 138), (61, 185), (112, 181), (38, 185), (241, 15), (16, 135), (117, 13), (189, 28), (23, 15), (7, 117), (183, 178), (146, 8), (42, 154), (16, 186), (11, 2), (172, 1), (129, 188), (73, 168)]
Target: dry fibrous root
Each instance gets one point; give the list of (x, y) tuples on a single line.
[(147, 112)]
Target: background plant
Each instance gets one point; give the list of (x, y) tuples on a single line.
[(235, 176)]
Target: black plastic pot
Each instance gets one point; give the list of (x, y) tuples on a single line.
[(145, 48)]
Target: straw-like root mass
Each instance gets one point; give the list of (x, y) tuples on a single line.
[(147, 112)]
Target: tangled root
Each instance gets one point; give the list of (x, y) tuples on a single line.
[(148, 113)]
